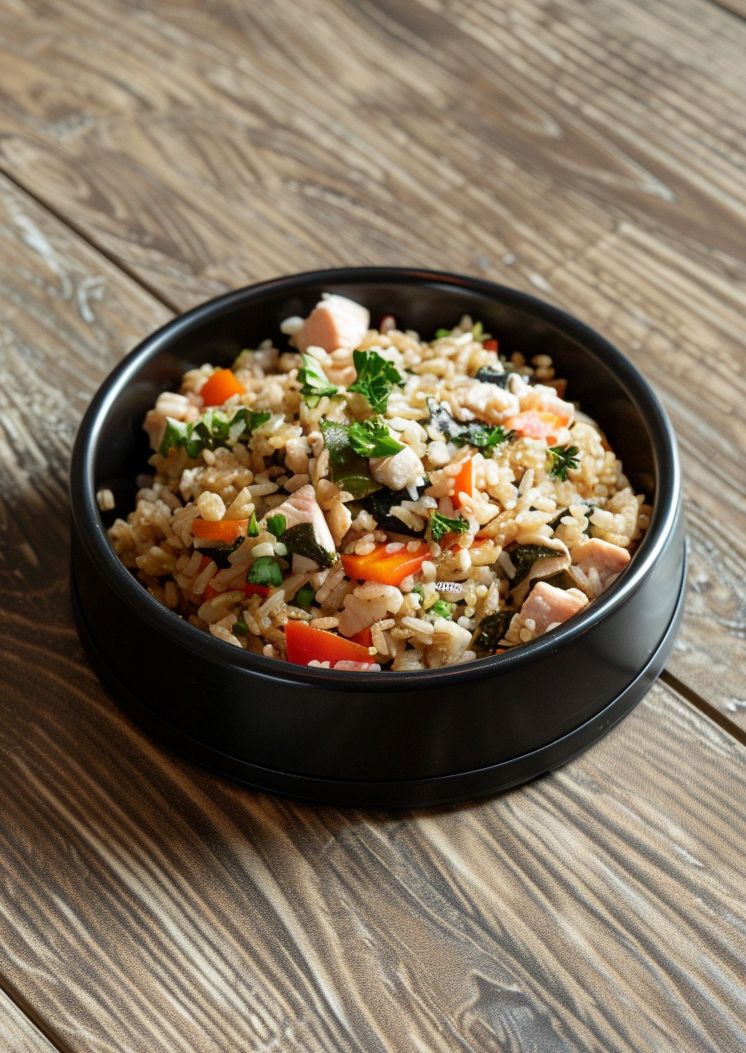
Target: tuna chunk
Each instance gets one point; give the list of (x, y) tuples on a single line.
[(548, 606), (339, 520), (333, 323), (302, 507), (400, 471), (607, 560)]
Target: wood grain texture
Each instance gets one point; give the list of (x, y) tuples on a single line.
[(588, 152), (148, 907), (737, 7), (17, 1033), (600, 909), (584, 151)]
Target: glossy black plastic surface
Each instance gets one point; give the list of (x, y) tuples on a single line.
[(384, 738)]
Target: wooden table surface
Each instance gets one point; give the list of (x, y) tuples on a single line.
[(155, 154)]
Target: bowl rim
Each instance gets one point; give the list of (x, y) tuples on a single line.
[(88, 523)]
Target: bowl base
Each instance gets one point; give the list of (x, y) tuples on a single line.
[(408, 793)]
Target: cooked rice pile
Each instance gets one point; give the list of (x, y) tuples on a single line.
[(451, 506)]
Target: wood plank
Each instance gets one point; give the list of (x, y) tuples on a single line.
[(736, 7), (148, 906), (598, 909), (17, 1033), (593, 159)]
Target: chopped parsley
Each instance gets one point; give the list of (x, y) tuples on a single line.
[(265, 570), (441, 609), (304, 597), (213, 429), (376, 376), (440, 333), (253, 528), (314, 381), (277, 525), (562, 459), (474, 433), (349, 470), (481, 435), (372, 438), (240, 628), (440, 525)]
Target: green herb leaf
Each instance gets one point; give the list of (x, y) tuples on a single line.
[(213, 429), (375, 378), (253, 528), (301, 540), (441, 609), (474, 433), (491, 631), (277, 524), (265, 570), (348, 469), (481, 435), (441, 333), (176, 434), (440, 525), (562, 460), (523, 558), (240, 628), (372, 438), (314, 381), (304, 597)]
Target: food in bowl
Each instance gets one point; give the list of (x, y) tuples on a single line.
[(364, 499)]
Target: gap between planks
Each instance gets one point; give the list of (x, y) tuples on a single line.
[(689, 694), (706, 708), (72, 226)]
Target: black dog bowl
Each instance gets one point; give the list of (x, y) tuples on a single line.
[(384, 738)]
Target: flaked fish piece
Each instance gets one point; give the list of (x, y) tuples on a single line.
[(400, 471), (596, 564), (302, 507), (547, 606), (335, 322), (339, 520), (484, 401), (543, 565)]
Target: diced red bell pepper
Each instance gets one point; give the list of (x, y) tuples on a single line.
[(226, 530), (304, 644), (364, 637), (387, 568), (463, 482), (256, 590), (219, 387)]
